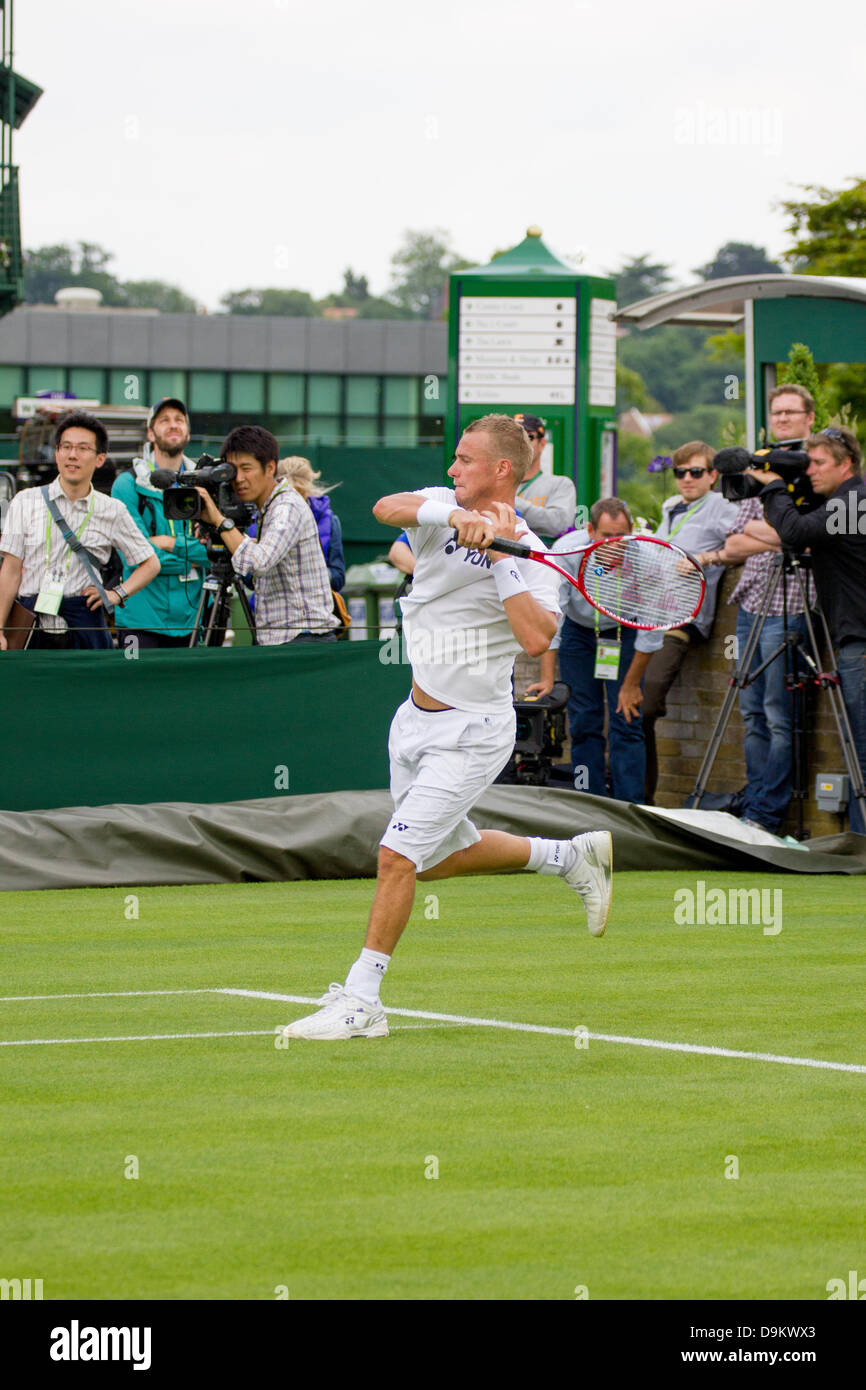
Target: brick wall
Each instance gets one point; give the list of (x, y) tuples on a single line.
[(693, 704)]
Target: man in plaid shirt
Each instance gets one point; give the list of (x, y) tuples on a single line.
[(766, 704), (294, 602)]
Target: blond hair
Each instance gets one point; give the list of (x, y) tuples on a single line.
[(509, 440), (302, 476)]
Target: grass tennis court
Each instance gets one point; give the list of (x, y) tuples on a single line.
[(310, 1167)]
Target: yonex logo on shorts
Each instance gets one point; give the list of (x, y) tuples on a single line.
[(397, 825)]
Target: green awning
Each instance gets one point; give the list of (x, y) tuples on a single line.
[(26, 95)]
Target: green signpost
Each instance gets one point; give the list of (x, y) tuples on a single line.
[(17, 99), (528, 333)]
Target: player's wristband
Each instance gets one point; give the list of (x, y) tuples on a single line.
[(432, 513), (509, 580)]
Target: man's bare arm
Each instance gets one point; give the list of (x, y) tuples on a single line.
[(401, 509), (10, 583)]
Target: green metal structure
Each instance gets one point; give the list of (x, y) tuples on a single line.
[(17, 99), (527, 332), (826, 312)]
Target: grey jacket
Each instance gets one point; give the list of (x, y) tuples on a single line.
[(705, 527), (548, 505)]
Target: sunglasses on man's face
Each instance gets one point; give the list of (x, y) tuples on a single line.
[(690, 472)]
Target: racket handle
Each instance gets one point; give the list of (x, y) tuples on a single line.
[(522, 552)]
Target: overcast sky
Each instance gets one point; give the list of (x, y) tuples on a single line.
[(219, 145)]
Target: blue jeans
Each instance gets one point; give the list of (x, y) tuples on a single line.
[(586, 717), (851, 661), (766, 710)]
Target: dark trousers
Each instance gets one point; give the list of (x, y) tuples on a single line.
[(86, 629), (148, 640), (658, 678), (586, 717)]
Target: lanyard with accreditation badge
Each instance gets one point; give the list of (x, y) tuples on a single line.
[(607, 652), (51, 593)]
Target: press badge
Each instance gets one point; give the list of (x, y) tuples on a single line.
[(607, 661), (49, 596)]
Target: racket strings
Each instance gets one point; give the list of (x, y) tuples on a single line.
[(640, 582)]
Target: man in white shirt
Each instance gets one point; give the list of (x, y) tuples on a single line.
[(39, 566), (601, 662), (470, 611)]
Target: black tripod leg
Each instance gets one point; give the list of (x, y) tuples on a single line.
[(247, 611), (196, 627), (739, 679), (830, 683)]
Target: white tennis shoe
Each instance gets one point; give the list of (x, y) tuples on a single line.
[(342, 1016), (591, 877)]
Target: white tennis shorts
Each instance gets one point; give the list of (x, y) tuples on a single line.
[(441, 762)]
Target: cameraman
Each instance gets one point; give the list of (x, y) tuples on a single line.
[(835, 534), (163, 615), (765, 704), (293, 591)]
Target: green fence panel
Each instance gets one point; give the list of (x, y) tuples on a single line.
[(206, 725), (365, 475)]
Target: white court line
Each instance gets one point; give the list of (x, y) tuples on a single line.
[(460, 1019), (105, 994), (570, 1032), (138, 1037)]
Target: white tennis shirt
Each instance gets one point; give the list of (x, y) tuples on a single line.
[(458, 639)]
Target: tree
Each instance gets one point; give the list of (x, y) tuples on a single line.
[(638, 279), (800, 371), (829, 232), (356, 288), (678, 367), (738, 258), (420, 270), (631, 391), (156, 294), (296, 304), (51, 268)]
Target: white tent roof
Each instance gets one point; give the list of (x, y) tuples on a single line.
[(720, 303)]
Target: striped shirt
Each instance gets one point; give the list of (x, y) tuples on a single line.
[(293, 591), (30, 534), (758, 571)]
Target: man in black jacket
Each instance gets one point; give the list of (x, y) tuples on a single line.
[(835, 534)]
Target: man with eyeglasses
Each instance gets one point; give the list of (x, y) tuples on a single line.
[(765, 705), (39, 565), (695, 518), (546, 501), (835, 536)]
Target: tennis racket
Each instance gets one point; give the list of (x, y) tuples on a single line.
[(639, 581)]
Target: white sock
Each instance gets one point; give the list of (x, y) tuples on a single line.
[(551, 856), (365, 977)]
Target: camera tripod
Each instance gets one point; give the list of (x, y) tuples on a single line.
[(214, 606), (789, 565)]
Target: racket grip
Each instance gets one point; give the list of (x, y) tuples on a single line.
[(522, 552)]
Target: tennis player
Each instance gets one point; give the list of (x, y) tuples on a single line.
[(469, 613)]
